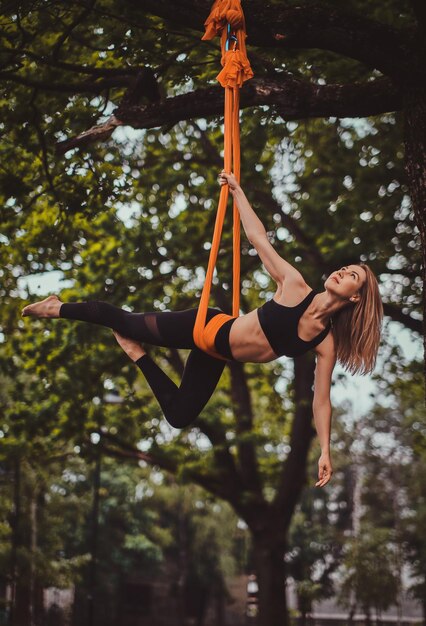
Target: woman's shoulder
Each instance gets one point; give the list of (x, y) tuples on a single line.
[(292, 291)]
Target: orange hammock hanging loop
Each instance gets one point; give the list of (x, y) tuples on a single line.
[(226, 19)]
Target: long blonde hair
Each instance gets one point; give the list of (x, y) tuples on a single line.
[(357, 328)]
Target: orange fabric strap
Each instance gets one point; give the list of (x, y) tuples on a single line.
[(236, 70), (209, 332)]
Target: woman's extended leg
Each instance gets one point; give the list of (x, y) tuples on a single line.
[(139, 326), (181, 405), (171, 329)]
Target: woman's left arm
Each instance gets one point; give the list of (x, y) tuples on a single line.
[(326, 361)]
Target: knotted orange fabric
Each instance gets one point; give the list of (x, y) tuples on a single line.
[(224, 12), (236, 70)]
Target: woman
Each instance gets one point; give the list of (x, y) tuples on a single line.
[(296, 320)]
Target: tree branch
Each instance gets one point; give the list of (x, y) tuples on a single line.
[(373, 43), (89, 86), (397, 315), (202, 480), (213, 483), (101, 132), (68, 30), (71, 67), (294, 99)]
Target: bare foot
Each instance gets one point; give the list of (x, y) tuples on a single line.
[(132, 348), (49, 307)]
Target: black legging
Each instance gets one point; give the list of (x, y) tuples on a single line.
[(180, 405)]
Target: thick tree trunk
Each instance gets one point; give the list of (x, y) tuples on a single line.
[(33, 548), (15, 539), (270, 571), (23, 595), (269, 531), (26, 586), (415, 154), (22, 614)]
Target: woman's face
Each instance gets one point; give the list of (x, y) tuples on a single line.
[(346, 282)]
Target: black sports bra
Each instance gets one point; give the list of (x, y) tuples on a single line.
[(279, 323)]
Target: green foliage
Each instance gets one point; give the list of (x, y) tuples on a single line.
[(369, 579)]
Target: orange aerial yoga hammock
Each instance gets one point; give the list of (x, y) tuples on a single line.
[(227, 19)]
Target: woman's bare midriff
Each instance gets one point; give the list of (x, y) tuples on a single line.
[(248, 342)]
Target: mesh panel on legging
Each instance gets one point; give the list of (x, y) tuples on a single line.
[(138, 326), (171, 329), (150, 320)]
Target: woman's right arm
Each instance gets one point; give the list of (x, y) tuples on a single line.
[(326, 360), (275, 265)]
